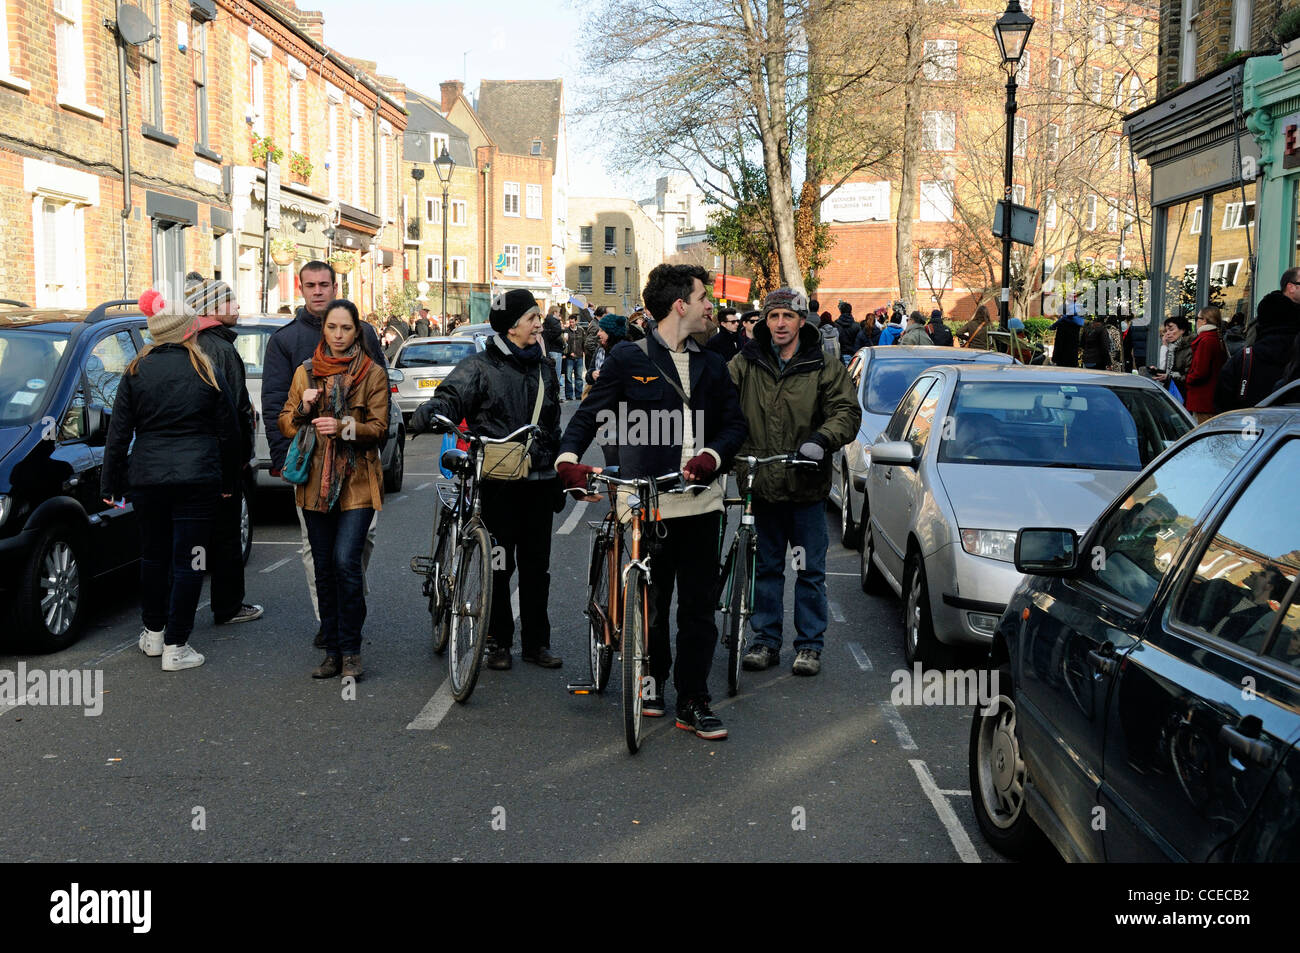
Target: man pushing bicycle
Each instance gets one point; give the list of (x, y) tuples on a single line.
[(669, 404)]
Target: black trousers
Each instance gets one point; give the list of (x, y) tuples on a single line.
[(688, 556), (227, 565), (175, 543), (519, 515)]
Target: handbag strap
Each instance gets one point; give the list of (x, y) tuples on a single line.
[(537, 404), (644, 345)]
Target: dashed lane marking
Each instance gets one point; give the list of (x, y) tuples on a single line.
[(860, 657), (423, 486), (899, 726), (572, 520), (956, 833), (853, 574), (277, 564), (836, 612)]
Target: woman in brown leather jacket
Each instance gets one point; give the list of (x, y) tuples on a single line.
[(341, 392)]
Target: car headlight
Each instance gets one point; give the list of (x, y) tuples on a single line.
[(4, 508), (993, 543)]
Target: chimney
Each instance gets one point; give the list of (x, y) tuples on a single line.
[(452, 90), (312, 22)]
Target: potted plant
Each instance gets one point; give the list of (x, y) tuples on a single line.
[(300, 166), (1288, 34), (343, 261), (283, 250), (264, 146)]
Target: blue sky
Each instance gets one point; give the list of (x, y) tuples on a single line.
[(424, 43)]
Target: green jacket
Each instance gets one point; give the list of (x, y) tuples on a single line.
[(785, 408)]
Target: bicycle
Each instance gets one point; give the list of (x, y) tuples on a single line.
[(458, 573), (618, 593), (736, 574)]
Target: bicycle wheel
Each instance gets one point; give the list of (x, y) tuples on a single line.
[(439, 584), (634, 656), (738, 608), (471, 609), (598, 614)]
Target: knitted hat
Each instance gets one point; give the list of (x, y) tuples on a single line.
[(785, 299), (205, 297), (615, 325), (167, 324), (508, 308)]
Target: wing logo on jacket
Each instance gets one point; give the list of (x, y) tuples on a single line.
[(645, 380)]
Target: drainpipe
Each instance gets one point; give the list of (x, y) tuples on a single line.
[(126, 161)]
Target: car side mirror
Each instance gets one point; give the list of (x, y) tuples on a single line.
[(395, 376), (1047, 552), (95, 420), (893, 453)]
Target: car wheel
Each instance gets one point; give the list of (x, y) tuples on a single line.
[(53, 593), (396, 471), (245, 527), (998, 777), (870, 577), (919, 642), (850, 532)]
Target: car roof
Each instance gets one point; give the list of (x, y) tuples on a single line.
[(262, 320), (1045, 374), (436, 339), (467, 329), (890, 352)]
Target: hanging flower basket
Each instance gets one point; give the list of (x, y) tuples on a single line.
[(343, 261), (283, 251)]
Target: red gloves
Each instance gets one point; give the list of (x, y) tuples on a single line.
[(701, 467), (574, 475)]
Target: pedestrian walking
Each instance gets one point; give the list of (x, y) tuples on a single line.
[(1096, 345), (285, 352), (915, 333), (975, 332), (422, 326), (893, 330), (1257, 369), (727, 342), (937, 330), (794, 398), (173, 449), (214, 304), (1208, 357), (574, 353), (669, 376), (338, 406), (1065, 348), (847, 327), (611, 329)]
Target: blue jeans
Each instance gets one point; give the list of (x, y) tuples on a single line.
[(573, 379), (802, 527), (338, 539), (175, 549)]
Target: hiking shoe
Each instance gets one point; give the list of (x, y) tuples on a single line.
[(497, 657), (698, 717), (543, 657), (151, 642), (807, 662), (319, 641), (246, 613), (759, 658), (652, 706), (328, 668), (177, 658), (352, 666)]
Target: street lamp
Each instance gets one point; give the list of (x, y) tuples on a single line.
[(418, 174), (1012, 33), (444, 165)]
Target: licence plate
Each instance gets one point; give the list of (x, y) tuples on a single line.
[(428, 382)]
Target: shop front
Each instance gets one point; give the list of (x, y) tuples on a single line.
[(1205, 230), (1272, 106)]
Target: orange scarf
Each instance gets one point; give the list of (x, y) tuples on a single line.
[(337, 376)]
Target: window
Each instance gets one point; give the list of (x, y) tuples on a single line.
[(332, 158), (1136, 33), (1090, 215), (1112, 216), (59, 252), (627, 281), (611, 240), (919, 430), (199, 70), (1119, 31), (938, 132), (1117, 152), (356, 158), (627, 241), (1094, 149), (937, 200), (1053, 142), (1225, 272), (433, 211), (433, 268), (1233, 217), (1117, 90), (1049, 210), (459, 268), (1099, 25), (1021, 135), (256, 94), (610, 286), (69, 51), (168, 254), (1094, 84), (1187, 48), (1134, 92), (533, 260), (1054, 73), (1049, 269), (584, 238), (940, 60), (511, 199), (535, 149), (1018, 194), (936, 267), (105, 365), (1022, 69), (1058, 14), (1241, 10), (151, 76), (295, 115), (385, 143), (459, 215), (584, 278), (896, 429), (512, 259), (534, 197), (1195, 227)]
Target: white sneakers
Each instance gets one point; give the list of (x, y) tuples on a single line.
[(151, 643), (177, 658)]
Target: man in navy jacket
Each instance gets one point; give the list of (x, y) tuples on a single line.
[(637, 391)]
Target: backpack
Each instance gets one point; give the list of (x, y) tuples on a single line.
[(830, 336)]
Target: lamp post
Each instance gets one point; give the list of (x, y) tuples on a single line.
[(418, 174), (1012, 33), (444, 165)]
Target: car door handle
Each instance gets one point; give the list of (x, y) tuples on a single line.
[(74, 481), (1105, 664), (1261, 752), (888, 472)]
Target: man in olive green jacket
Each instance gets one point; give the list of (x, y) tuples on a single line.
[(793, 399)]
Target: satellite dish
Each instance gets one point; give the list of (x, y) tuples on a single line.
[(133, 26)]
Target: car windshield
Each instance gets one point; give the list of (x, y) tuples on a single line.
[(28, 362), (1083, 426), (887, 380), (251, 346), (435, 354)]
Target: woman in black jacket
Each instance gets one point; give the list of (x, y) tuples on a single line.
[(496, 392), (184, 459)]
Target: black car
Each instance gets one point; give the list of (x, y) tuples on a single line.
[(1148, 702), (59, 372)]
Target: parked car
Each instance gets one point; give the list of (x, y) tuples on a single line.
[(481, 333), (59, 373), (881, 375), (973, 453), (1149, 666), (254, 333), (424, 362)]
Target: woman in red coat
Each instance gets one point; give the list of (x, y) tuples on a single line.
[(1208, 358)]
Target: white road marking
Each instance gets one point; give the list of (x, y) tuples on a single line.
[(203, 605), (853, 574), (900, 727), (277, 542), (394, 499), (955, 793), (572, 520), (860, 657), (836, 612), (423, 486), (514, 603), (90, 663), (277, 564), (436, 709), (413, 473), (956, 833)]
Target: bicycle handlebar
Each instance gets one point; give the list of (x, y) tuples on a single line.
[(789, 459), (475, 438), (668, 479)]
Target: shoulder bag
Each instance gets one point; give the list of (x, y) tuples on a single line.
[(511, 461)]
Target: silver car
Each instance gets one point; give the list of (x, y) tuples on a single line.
[(973, 454), (424, 362), (881, 375)]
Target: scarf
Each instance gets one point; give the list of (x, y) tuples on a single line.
[(336, 377), (528, 355)]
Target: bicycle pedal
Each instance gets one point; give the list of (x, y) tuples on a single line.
[(581, 688), (422, 565)]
